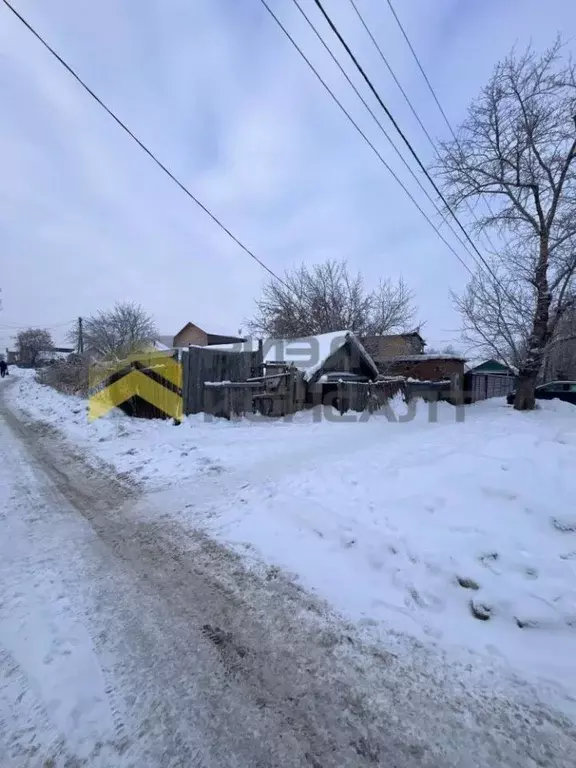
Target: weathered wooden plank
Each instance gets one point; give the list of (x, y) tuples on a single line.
[(251, 385)]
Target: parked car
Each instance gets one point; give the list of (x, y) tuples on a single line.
[(561, 390)]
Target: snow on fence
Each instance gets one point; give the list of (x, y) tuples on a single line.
[(362, 396), (202, 364), (371, 396), (284, 393), (432, 391), (277, 394), (229, 383)]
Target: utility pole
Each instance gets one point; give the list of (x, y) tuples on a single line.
[(80, 337)]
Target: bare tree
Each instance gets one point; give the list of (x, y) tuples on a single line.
[(496, 309), (517, 150), (325, 298), (118, 332), (31, 343), (392, 308)]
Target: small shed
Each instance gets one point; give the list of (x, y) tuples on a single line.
[(493, 367), (325, 353), (333, 358), (489, 378)]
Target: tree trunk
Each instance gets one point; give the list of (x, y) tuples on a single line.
[(525, 399), (540, 335)]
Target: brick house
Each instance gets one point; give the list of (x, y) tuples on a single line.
[(382, 348), (192, 334), (402, 354), (424, 367)]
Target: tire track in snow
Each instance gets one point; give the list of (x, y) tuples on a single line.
[(224, 669)]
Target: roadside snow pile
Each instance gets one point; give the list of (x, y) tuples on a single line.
[(459, 534), (157, 452), (463, 534)]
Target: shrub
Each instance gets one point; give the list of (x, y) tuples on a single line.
[(67, 376)]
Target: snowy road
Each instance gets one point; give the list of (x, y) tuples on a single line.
[(126, 640)]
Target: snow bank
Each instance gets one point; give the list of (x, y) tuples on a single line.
[(156, 452), (461, 535)]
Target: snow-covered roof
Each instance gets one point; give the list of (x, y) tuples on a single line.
[(160, 346), (164, 342), (308, 354), (472, 365)]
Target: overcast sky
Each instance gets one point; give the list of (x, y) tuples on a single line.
[(217, 91)]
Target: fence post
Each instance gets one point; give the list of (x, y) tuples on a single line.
[(456, 395), (372, 398), (207, 400), (340, 398), (290, 393)]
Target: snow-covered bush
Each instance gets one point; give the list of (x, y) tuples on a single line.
[(67, 376)]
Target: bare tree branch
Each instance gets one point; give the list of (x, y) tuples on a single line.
[(118, 332), (517, 148), (30, 343), (326, 297)]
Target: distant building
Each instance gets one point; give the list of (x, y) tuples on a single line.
[(382, 348), (424, 367), (44, 356), (493, 367), (54, 354), (193, 335), (402, 354), (490, 378)]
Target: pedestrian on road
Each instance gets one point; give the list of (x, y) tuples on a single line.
[(3, 368)]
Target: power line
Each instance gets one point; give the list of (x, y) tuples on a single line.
[(402, 135), (420, 67), (364, 136), (34, 325), (142, 146), (439, 105), (379, 124), (393, 74)]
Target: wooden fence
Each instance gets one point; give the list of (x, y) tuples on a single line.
[(432, 391), (371, 396), (360, 396), (202, 364), (482, 386), (284, 393), (229, 383), (276, 394)]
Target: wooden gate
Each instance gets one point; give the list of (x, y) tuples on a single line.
[(202, 364), (482, 386)]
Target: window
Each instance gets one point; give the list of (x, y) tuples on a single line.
[(557, 386), (572, 386)]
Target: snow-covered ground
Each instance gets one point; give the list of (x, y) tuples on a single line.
[(405, 526)]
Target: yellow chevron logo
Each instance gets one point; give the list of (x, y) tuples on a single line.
[(153, 379)]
